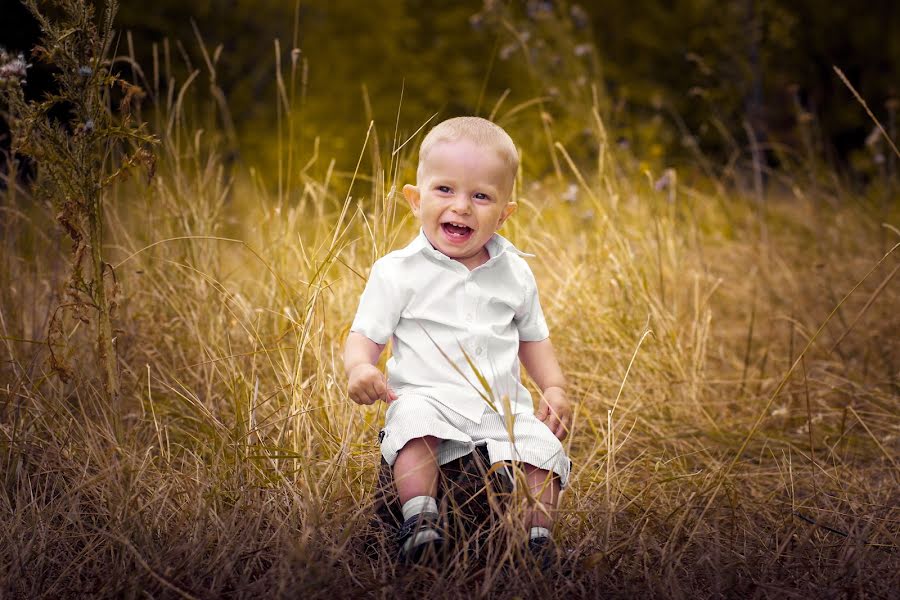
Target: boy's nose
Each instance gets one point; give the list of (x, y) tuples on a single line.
[(461, 205)]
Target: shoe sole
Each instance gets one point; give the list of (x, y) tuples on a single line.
[(424, 553)]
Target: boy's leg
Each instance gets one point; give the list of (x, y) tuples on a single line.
[(415, 475), (544, 486), (416, 469)]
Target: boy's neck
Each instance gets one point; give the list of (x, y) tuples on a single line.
[(473, 262)]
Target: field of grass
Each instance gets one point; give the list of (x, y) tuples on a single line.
[(734, 362), (736, 429)]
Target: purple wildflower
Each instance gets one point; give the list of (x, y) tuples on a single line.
[(667, 182), (12, 69), (506, 51), (582, 49), (580, 18), (539, 9)]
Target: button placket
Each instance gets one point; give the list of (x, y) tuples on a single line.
[(476, 347), (470, 300)]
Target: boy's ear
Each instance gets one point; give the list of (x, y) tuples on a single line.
[(411, 193), (508, 211)]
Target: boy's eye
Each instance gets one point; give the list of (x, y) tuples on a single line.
[(444, 189), (480, 196)]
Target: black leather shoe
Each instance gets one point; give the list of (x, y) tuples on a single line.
[(544, 552), (424, 551)]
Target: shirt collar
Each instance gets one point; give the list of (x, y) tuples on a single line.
[(496, 246)]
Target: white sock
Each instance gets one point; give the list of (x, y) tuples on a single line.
[(418, 505), (539, 532)]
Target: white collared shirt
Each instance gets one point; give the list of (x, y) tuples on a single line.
[(437, 311)]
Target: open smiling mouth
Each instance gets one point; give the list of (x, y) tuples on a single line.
[(457, 233)]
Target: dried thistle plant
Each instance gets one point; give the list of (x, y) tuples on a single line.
[(82, 136)]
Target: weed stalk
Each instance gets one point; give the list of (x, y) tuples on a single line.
[(80, 145)]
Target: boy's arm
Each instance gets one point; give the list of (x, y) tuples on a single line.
[(366, 384), (554, 408)]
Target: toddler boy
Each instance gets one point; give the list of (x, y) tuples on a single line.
[(458, 293)]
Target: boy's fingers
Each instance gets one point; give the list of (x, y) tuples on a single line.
[(372, 394), (553, 423), (543, 411), (360, 393), (387, 394), (384, 392), (354, 394), (562, 431)]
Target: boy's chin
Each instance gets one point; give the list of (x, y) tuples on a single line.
[(465, 255)]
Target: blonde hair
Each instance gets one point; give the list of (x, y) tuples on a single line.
[(475, 129)]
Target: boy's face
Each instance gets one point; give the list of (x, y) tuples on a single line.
[(462, 198)]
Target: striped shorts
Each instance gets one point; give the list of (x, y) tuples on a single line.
[(413, 416)]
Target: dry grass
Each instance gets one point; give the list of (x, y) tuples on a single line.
[(736, 430)]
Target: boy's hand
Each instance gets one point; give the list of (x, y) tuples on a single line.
[(555, 411), (368, 385)]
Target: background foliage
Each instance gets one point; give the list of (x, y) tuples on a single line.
[(674, 78)]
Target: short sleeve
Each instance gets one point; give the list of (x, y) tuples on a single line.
[(530, 317), (379, 306)]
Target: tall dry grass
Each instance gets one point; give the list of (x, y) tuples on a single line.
[(734, 368)]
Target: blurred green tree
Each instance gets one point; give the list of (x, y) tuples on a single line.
[(673, 79)]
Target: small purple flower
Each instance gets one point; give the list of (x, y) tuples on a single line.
[(89, 126), (85, 71), (666, 181), (539, 9), (13, 68), (669, 183), (582, 49), (580, 18), (506, 51)]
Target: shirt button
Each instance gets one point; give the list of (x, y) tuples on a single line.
[(478, 351)]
